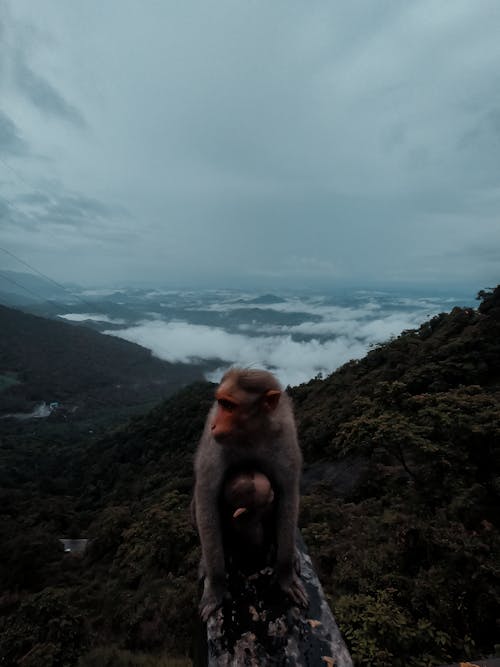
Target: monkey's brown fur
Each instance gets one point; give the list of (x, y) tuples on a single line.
[(250, 427)]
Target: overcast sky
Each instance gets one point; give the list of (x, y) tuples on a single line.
[(239, 143)]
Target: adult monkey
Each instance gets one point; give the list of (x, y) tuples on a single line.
[(250, 426)]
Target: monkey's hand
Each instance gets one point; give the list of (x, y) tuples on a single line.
[(211, 600), (294, 588)]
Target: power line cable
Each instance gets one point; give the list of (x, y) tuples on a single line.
[(14, 282), (92, 306), (32, 268), (29, 266)]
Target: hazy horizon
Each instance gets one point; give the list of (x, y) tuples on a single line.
[(295, 334)]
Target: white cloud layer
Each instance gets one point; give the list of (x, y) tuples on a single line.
[(294, 361), (83, 317)]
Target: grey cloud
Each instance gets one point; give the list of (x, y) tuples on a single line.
[(33, 198), (43, 94), (14, 218), (484, 252), (77, 208), (494, 120), (72, 204), (4, 210), (352, 142), (485, 128), (38, 211), (11, 142)]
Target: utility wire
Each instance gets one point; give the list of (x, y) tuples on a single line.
[(32, 268), (29, 266), (14, 282), (92, 306)]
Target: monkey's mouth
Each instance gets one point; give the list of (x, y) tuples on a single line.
[(228, 439), (221, 438)]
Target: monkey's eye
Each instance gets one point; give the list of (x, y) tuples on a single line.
[(226, 404)]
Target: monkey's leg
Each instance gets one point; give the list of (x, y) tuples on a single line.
[(214, 589), (213, 565), (214, 584)]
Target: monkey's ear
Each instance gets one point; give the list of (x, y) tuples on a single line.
[(271, 399)]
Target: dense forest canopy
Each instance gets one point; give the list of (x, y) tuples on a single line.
[(400, 511)]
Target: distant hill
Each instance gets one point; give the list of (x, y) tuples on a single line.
[(19, 288), (452, 352), (400, 511), (267, 299), (52, 361)]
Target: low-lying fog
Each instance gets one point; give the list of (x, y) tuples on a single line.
[(296, 336)]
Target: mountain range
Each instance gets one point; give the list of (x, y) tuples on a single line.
[(51, 361)]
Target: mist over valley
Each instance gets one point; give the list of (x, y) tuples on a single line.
[(297, 335)]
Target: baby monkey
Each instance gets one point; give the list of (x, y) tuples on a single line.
[(247, 518)]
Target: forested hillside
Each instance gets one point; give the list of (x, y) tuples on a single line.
[(400, 512), (412, 554), (49, 360)]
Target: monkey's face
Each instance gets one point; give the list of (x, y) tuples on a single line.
[(240, 414), (230, 414)]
